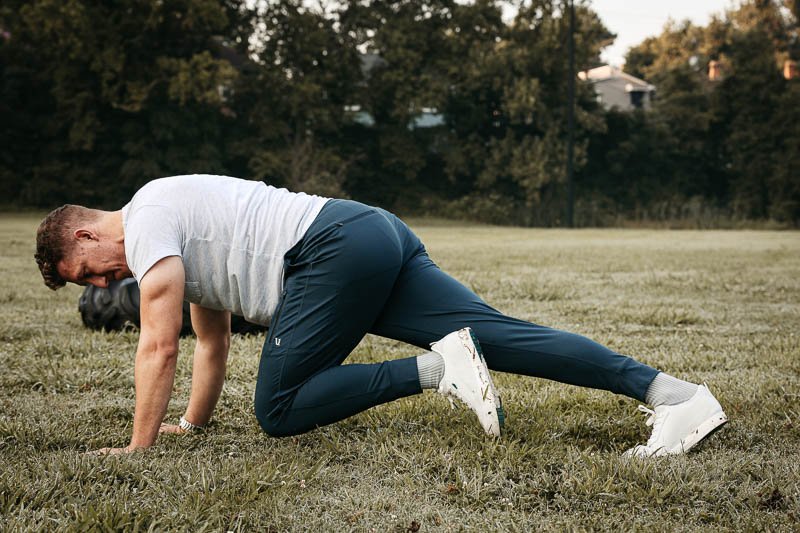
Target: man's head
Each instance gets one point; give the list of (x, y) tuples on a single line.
[(81, 245)]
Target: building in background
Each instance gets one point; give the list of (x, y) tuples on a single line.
[(791, 71), (716, 70), (616, 89), (426, 117)]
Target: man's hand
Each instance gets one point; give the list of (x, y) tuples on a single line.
[(171, 429), (111, 451)]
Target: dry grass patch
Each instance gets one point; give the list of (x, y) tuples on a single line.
[(718, 306)]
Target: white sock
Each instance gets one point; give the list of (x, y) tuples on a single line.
[(431, 370), (668, 390)]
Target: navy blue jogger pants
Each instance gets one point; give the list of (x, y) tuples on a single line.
[(360, 270)]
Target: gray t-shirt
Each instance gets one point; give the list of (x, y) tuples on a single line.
[(230, 233)]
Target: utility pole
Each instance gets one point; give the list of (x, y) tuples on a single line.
[(571, 117)]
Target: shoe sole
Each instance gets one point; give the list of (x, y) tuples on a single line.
[(703, 431), (700, 434), (489, 391)]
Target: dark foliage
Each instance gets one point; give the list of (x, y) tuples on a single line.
[(426, 106)]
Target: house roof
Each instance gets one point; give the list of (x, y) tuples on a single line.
[(607, 72)]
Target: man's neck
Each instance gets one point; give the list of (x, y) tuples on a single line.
[(111, 225)]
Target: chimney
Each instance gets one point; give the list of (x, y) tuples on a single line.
[(790, 69), (716, 70)]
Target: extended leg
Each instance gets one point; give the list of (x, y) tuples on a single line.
[(426, 304)]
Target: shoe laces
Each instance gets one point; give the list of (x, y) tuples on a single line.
[(652, 420)]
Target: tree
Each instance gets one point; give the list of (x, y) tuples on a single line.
[(294, 99), (727, 142), (133, 91), (510, 86), (405, 75)]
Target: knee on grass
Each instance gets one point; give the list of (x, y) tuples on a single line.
[(274, 423), (274, 428)]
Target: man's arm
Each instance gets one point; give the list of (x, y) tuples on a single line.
[(161, 292), (213, 330)]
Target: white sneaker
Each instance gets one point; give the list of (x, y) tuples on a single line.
[(466, 377), (680, 427)]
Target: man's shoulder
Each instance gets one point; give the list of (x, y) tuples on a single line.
[(157, 187), (180, 189)]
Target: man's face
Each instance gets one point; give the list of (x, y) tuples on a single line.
[(94, 262)]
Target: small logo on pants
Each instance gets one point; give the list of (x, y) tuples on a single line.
[(277, 341)]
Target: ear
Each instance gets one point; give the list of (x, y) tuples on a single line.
[(85, 234)]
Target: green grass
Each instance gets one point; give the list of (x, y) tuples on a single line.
[(715, 306)]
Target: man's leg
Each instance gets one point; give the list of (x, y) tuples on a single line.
[(338, 280), (427, 303)]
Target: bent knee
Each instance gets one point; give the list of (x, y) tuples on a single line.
[(274, 429), (273, 424)]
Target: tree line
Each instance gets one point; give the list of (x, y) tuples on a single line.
[(422, 106)]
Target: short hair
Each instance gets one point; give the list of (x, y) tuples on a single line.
[(54, 240)]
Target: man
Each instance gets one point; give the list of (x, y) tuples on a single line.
[(323, 273)]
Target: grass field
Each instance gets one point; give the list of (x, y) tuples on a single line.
[(717, 306)]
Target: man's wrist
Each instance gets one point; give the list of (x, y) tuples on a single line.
[(188, 426)]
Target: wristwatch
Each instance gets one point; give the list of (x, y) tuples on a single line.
[(188, 426)]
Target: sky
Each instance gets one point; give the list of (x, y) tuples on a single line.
[(634, 21)]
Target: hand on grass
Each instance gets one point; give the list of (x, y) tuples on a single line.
[(172, 429), (111, 451)]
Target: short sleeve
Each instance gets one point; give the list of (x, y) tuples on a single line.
[(152, 232)]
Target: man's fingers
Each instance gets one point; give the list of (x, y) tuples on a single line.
[(109, 451), (101, 451), (171, 428)]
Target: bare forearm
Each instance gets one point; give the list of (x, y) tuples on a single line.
[(208, 376), (154, 375)]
